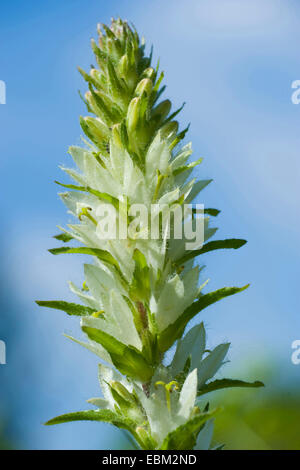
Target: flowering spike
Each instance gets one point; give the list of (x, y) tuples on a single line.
[(142, 290)]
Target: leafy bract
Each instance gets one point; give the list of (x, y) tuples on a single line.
[(185, 436), (175, 330), (68, 307), (227, 383), (127, 359), (233, 243), (107, 416)]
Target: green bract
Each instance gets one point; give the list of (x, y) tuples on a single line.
[(140, 293)]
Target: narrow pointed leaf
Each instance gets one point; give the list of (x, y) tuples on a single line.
[(175, 330), (68, 307), (101, 254), (107, 416), (173, 115), (230, 243), (63, 237), (212, 212), (190, 166), (227, 383), (185, 436), (127, 359), (102, 196)]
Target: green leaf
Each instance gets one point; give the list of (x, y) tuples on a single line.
[(173, 115), (213, 212), (107, 416), (175, 330), (63, 237), (208, 211), (233, 243), (101, 254), (185, 436), (102, 196), (179, 137), (68, 307), (227, 383), (127, 359), (190, 166)]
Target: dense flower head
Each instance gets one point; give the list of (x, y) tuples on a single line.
[(140, 293)]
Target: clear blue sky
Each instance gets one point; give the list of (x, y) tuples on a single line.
[(233, 63)]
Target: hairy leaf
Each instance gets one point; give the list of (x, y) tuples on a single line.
[(185, 436), (101, 254), (68, 307), (127, 359), (233, 243), (227, 383), (102, 196), (107, 416), (175, 330)]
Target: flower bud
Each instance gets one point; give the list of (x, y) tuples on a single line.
[(116, 135), (115, 84), (123, 66), (169, 129), (127, 72), (122, 391), (113, 48), (97, 128), (96, 75), (90, 102), (150, 73), (143, 435), (133, 113), (97, 100), (144, 86)]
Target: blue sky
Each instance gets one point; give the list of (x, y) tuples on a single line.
[(233, 63)]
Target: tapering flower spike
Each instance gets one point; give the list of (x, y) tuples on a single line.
[(143, 285)]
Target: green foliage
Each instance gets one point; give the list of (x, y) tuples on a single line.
[(211, 246), (227, 383), (68, 307), (140, 293), (185, 436), (176, 329)]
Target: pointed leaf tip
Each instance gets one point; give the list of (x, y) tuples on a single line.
[(68, 307), (220, 384), (105, 415)]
